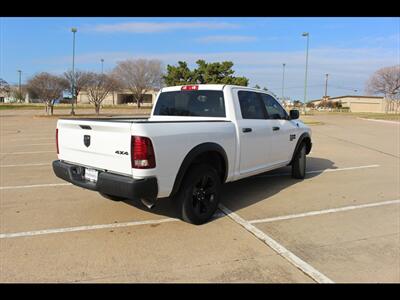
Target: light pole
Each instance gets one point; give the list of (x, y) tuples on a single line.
[(326, 85), (19, 85), (305, 79), (102, 61), (73, 30), (283, 81)]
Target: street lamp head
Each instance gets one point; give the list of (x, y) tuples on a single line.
[(284, 64), (102, 60), (73, 29), (305, 34)]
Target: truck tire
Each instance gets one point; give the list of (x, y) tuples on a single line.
[(199, 194), (299, 163), (113, 198)]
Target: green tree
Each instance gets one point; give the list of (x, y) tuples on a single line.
[(179, 75), (211, 73)]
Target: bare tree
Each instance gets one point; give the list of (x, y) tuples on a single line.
[(98, 87), (4, 87), (386, 81), (48, 88), (18, 93), (79, 79), (139, 76)]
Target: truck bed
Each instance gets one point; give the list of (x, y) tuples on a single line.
[(139, 120)]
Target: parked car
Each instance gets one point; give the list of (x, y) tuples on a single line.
[(196, 138)]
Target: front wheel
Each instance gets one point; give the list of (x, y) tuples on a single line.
[(199, 194), (299, 163)]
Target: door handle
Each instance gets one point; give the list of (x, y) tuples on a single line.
[(247, 130), (275, 128)]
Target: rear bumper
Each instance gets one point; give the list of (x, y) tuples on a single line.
[(108, 183)]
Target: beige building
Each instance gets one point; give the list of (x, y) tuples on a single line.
[(371, 104), (121, 97)]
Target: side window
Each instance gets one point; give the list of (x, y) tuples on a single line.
[(274, 109), (251, 105)]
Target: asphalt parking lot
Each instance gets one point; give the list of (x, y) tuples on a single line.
[(340, 224)]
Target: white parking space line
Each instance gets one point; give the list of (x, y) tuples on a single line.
[(83, 228), (33, 186), (323, 171), (381, 121), (94, 227), (29, 152), (325, 211), (24, 145), (343, 169), (25, 165), (278, 248), (43, 134), (33, 138)]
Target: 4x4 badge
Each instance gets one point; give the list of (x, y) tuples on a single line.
[(121, 152), (292, 137)]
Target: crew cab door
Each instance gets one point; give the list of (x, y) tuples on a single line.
[(284, 131), (254, 132)]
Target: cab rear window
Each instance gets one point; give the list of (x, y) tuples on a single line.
[(197, 103)]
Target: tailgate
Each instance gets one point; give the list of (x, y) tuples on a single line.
[(98, 144)]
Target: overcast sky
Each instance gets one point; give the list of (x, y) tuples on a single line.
[(348, 49)]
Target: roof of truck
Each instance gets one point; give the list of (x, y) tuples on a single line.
[(216, 87)]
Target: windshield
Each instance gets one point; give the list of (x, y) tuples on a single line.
[(191, 103)]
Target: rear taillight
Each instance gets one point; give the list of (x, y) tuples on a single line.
[(190, 88), (58, 151), (142, 153)]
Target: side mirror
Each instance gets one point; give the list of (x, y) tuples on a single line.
[(294, 114)]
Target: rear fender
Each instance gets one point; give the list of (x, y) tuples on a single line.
[(192, 155)]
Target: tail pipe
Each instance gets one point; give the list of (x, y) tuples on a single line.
[(148, 203)]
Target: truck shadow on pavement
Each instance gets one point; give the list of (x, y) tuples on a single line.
[(246, 192)]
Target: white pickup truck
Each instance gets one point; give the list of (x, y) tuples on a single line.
[(197, 138)]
